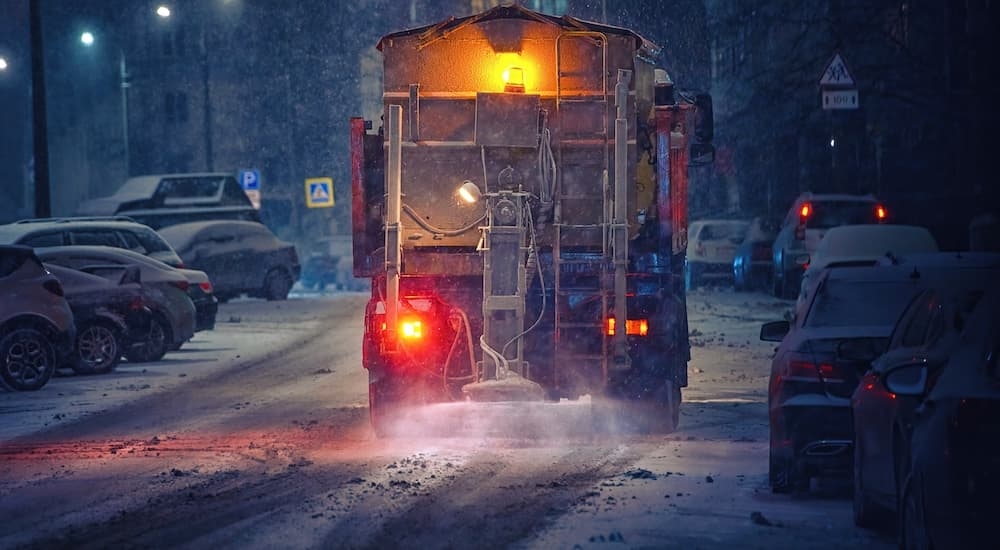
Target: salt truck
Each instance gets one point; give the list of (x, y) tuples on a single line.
[(521, 211)]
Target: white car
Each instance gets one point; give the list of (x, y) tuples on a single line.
[(809, 218), (860, 245), (711, 249)]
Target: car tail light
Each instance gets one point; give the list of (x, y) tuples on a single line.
[(183, 285), (881, 213), (809, 371), (54, 286), (805, 211), (633, 327), (206, 287)]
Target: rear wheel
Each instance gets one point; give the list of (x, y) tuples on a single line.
[(98, 348), (783, 474), (27, 359), (657, 414), (154, 347), (277, 284)]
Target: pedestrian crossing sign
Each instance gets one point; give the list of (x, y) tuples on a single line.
[(319, 192)]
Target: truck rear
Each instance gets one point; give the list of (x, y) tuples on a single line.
[(522, 213)]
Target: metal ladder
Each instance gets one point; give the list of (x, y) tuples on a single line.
[(580, 272)]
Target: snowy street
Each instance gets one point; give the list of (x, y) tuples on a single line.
[(256, 435)]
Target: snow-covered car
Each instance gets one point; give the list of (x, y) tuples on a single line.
[(114, 231), (711, 248), (110, 316), (174, 313), (239, 257), (812, 379), (948, 500), (807, 221), (864, 244), (36, 323), (752, 259), (159, 200)]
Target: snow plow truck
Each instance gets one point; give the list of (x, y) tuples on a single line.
[(521, 212)]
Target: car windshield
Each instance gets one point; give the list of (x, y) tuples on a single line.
[(151, 241), (835, 213), (843, 302)]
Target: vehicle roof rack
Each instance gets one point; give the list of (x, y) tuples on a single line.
[(116, 218)]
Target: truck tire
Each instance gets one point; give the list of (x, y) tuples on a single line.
[(27, 359), (383, 406), (655, 415), (98, 348)]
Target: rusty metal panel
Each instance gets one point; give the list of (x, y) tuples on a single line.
[(507, 119)]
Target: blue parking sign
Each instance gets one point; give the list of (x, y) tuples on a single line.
[(250, 180)]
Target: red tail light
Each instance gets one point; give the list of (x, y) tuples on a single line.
[(633, 327), (805, 211), (808, 371), (54, 287), (206, 287), (881, 213), (183, 285)]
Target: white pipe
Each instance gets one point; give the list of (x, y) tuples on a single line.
[(393, 226)]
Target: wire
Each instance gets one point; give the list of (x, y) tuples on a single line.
[(541, 282)]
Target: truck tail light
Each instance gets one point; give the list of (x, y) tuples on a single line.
[(411, 330), (633, 327)]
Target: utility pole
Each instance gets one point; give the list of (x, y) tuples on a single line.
[(43, 207)]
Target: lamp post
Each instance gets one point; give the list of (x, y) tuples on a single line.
[(88, 39)]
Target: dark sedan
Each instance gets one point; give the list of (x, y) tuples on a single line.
[(812, 379), (240, 257), (949, 498), (110, 316), (927, 332)]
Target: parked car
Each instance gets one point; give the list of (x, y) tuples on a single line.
[(173, 311), (928, 332), (239, 257), (752, 259), (866, 244), (114, 231), (710, 250), (812, 379), (110, 316), (160, 200), (804, 226), (36, 323), (949, 498)]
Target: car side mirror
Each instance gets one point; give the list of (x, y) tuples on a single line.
[(774, 331), (907, 379)]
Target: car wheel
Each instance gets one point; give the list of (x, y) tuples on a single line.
[(98, 348), (739, 278), (690, 276), (784, 476), (277, 284), (154, 347), (27, 359), (867, 513), (776, 283)]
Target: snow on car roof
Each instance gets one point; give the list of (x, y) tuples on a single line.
[(103, 251), (145, 186), (871, 242), (180, 235)]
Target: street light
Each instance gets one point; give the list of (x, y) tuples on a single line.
[(3, 64), (163, 11), (88, 39)]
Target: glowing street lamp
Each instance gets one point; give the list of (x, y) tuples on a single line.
[(163, 11), (3, 64)]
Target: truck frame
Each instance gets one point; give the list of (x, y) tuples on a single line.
[(526, 191)]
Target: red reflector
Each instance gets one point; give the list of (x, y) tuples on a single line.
[(206, 287)]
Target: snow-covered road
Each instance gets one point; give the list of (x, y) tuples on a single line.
[(255, 435)]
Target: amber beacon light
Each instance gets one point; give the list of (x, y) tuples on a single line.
[(513, 79)]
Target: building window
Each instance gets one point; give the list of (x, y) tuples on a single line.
[(175, 107)]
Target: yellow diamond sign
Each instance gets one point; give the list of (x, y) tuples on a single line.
[(319, 192)]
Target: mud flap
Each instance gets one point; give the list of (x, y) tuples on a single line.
[(655, 413)]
